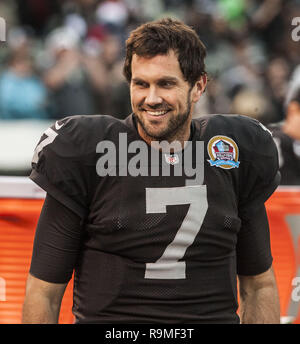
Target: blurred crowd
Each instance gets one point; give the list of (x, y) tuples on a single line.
[(65, 57)]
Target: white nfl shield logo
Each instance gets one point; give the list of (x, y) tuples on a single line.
[(172, 159)]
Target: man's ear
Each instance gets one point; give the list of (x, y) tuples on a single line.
[(293, 109), (199, 88)]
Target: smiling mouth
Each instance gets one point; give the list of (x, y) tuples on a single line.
[(156, 113)]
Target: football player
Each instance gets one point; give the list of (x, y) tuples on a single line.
[(287, 134), (147, 243)]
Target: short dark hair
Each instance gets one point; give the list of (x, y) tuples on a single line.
[(293, 92), (161, 36)]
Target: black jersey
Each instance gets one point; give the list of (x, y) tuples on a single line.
[(289, 155), (160, 247)]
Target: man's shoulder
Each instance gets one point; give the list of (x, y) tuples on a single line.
[(77, 136), (227, 120), (87, 124), (239, 126), (88, 130)]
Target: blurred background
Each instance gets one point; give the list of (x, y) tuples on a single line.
[(65, 57)]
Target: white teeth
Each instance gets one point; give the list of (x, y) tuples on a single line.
[(157, 113)]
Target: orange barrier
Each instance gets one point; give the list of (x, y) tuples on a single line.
[(283, 210), (18, 219)]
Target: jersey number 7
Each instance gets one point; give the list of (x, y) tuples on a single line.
[(169, 266), (50, 137)]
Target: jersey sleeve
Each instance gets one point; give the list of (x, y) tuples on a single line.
[(259, 176), (57, 243), (253, 247), (258, 180), (58, 164)]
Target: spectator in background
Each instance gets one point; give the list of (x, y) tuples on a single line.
[(287, 134), (118, 99), (276, 78), (22, 92), (39, 15), (249, 43), (76, 81), (252, 103), (113, 14)]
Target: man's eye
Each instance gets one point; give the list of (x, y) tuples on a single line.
[(140, 84), (166, 84)]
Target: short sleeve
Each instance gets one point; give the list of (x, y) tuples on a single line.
[(259, 178), (259, 175), (57, 243), (58, 165), (253, 248)]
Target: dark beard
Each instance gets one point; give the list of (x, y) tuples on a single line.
[(175, 124)]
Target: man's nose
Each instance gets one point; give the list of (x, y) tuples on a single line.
[(153, 97)]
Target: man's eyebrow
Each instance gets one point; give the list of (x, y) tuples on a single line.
[(163, 78), (168, 79), (137, 80)]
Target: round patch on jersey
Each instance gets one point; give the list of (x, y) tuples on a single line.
[(223, 152)]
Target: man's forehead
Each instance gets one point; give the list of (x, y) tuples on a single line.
[(164, 65), (171, 55)]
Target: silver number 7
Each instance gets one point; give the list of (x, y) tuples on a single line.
[(51, 135), (168, 265)]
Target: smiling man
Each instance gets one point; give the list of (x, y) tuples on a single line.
[(162, 99), (156, 248), (164, 85)]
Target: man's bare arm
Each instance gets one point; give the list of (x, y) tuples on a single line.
[(259, 300), (42, 301)]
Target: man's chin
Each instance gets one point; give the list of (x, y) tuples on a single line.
[(155, 134), (158, 131)]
